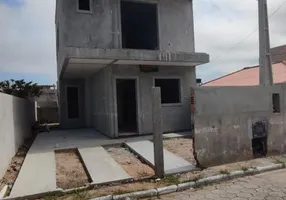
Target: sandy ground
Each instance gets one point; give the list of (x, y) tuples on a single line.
[(13, 170), (132, 165), (70, 171), (182, 147)]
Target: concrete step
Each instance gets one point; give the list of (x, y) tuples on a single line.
[(172, 163), (101, 167)]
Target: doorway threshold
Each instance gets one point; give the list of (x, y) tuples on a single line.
[(127, 134)]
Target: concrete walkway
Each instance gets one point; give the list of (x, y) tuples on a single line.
[(101, 166), (38, 173), (172, 163)]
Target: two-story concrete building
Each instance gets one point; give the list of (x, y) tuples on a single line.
[(110, 53)]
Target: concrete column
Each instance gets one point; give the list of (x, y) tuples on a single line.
[(265, 63), (157, 132)]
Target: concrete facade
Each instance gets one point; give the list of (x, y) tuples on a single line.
[(90, 55), (224, 119), (16, 118)]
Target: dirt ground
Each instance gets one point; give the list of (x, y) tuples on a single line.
[(107, 190), (128, 161), (70, 171), (182, 147), (17, 161)]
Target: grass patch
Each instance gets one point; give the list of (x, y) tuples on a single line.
[(171, 180), (80, 195), (120, 191), (224, 171), (244, 168)]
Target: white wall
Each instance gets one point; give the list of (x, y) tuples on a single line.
[(16, 118)]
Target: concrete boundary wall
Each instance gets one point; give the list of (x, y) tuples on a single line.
[(16, 118), (224, 119)]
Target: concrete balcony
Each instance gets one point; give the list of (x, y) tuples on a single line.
[(83, 61)]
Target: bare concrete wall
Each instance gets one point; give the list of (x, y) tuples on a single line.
[(224, 118), (102, 28), (16, 117), (175, 117), (102, 115)]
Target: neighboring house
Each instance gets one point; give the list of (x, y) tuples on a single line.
[(278, 54), (47, 104), (249, 76), (110, 53)]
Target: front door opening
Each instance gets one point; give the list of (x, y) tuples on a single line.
[(139, 25), (126, 106)]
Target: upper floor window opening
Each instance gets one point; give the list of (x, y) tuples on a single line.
[(84, 5)]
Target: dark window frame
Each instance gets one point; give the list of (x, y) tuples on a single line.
[(83, 10), (276, 104), (179, 91)]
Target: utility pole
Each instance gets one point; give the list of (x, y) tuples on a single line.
[(265, 63)]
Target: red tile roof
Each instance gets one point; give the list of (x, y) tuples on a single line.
[(249, 76)]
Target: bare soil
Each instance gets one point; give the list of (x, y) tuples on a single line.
[(70, 170), (182, 147), (17, 161), (128, 161)]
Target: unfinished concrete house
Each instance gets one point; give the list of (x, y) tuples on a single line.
[(110, 53)]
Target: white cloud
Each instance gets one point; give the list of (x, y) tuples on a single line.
[(226, 23), (27, 38)]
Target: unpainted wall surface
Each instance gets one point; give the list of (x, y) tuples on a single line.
[(16, 118), (175, 117), (223, 122), (102, 27), (102, 102)]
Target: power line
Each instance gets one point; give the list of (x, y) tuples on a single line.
[(241, 41)]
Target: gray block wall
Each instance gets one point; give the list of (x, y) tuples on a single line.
[(224, 118)]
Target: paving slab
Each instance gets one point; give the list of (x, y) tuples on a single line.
[(37, 175), (101, 166), (172, 163)]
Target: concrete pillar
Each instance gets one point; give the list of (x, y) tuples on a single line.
[(157, 132), (265, 63)]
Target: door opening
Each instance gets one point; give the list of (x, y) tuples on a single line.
[(126, 106), (139, 25)]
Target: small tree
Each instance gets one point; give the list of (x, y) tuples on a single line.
[(20, 88)]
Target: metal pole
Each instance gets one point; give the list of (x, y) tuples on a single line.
[(157, 132), (265, 63)]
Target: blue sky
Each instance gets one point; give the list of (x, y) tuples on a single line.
[(12, 3), (28, 42)]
